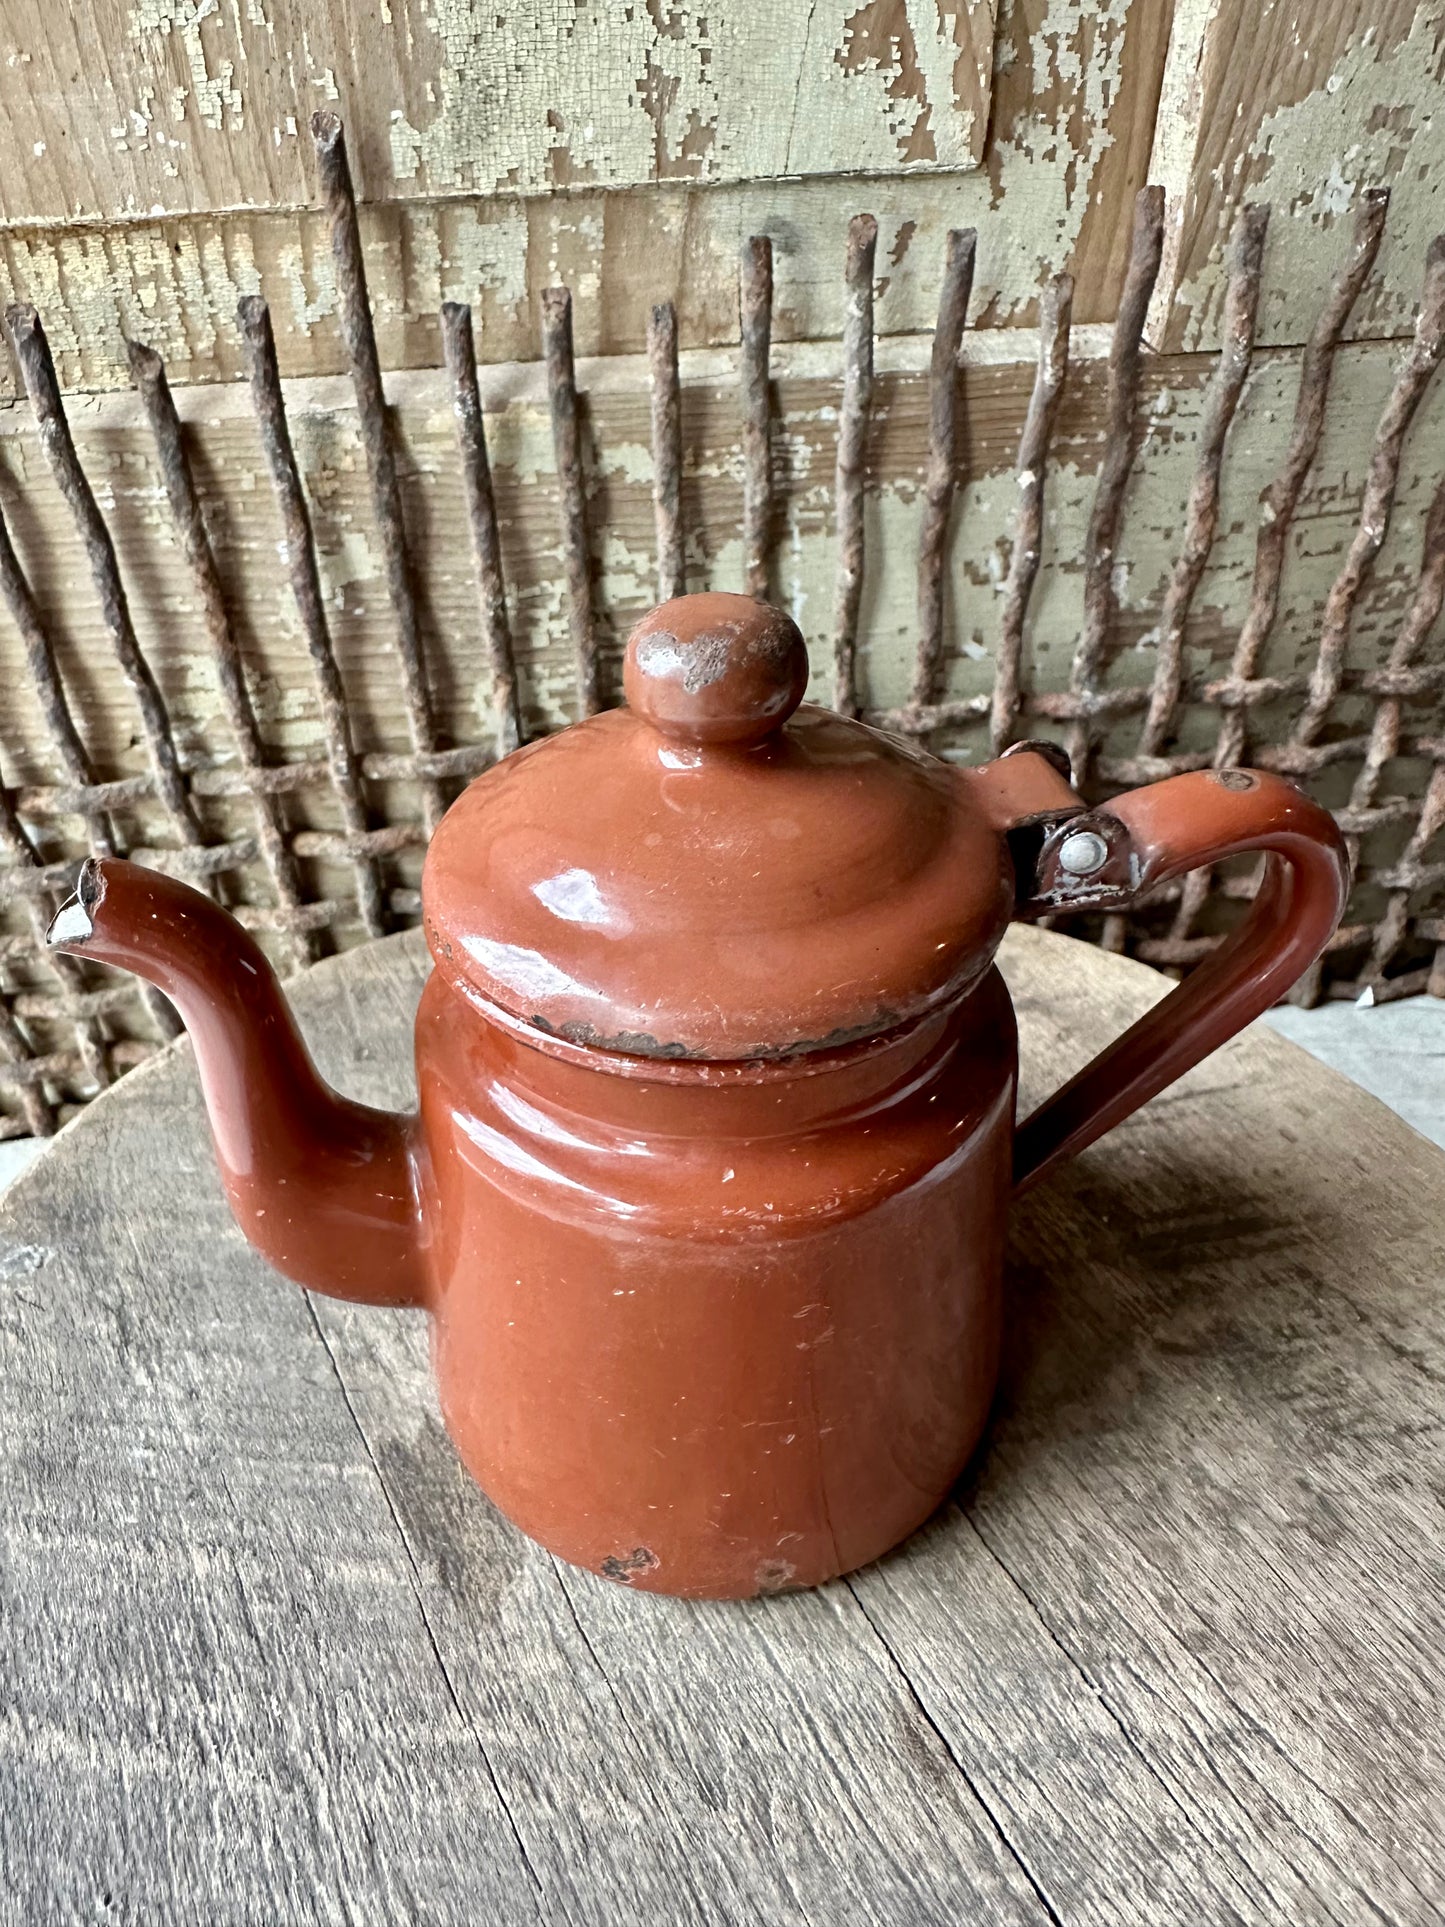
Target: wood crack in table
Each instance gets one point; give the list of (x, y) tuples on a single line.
[(1174, 1655)]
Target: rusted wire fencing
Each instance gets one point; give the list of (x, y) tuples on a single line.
[(67, 1031)]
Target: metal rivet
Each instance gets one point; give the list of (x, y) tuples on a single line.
[(1083, 852)]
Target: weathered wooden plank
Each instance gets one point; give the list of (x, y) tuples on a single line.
[(192, 107), (1211, 1404), (1303, 104), (1177, 1657), (156, 164), (107, 242), (219, 1695)]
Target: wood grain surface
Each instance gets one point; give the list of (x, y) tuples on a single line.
[(189, 105), (1173, 1656), (155, 162), (1300, 104), (156, 165)]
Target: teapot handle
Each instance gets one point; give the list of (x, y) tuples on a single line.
[(1107, 858)]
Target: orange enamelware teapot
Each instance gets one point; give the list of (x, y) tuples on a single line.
[(706, 1191)]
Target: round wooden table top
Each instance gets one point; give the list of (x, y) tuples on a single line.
[(1174, 1655)]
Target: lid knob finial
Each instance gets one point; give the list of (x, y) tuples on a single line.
[(716, 669)]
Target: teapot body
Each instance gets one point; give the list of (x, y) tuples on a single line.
[(707, 1193), (717, 1329)]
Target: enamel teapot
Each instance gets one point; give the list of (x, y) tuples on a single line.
[(706, 1191)]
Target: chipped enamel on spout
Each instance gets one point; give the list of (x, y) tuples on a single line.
[(707, 1188)]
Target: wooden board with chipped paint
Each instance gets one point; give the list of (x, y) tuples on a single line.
[(185, 106), (1302, 105)]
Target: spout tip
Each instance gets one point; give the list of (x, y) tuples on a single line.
[(73, 923)]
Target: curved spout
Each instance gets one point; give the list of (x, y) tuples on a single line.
[(324, 1188)]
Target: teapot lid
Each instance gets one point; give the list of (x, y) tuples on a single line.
[(714, 871)]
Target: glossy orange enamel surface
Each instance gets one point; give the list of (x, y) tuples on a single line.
[(708, 1209), (325, 1188), (628, 889), (715, 669), (718, 1340)]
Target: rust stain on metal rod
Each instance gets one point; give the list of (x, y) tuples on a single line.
[(1408, 392), (45, 673), (1055, 310), (15, 1047), (1278, 509), (32, 351), (376, 434), (942, 476), (90, 1039), (255, 325), (852, 455), (1420, 617), (1201, 518), (756, 313), (1410, 875), (69, 972), (666, 398), (571, 490), (461, 359), (1128, 698), (1120, 447), (1281, 498), (148, 373), (276, 779), (100, 831)]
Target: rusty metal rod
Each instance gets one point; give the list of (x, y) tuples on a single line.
[(148, 373), (74, 756), (91, 1040), (1384, 742), (852, 456), (1055, 310), (35, 1107), (1408, 391), (1281, 498), (1201, 517), (278, 779), (70, 974), (1411, 874), (756, 316), (571, 490), (666, 397), (1406, 394), (1120, 448), (944, 457), (461, 359), (376, 434), (58, 1067), (300, 556), (59, 1010), (1279, 507), (1419, 619), (54, 703), (32, 351)]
